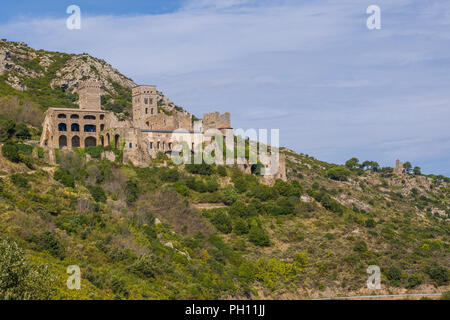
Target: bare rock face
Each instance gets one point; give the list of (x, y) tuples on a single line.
[(83, 67), (20, 61)]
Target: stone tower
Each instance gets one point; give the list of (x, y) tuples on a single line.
[(145, 104), (398, 167), (89, 95)]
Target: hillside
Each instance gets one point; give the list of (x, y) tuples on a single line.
[(197, 232), (50, 79)]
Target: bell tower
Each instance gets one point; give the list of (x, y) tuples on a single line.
[(145, 104), (89, 95)]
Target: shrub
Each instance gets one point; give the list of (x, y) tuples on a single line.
[(181, 188), (97, 193), (170, 175), (212, 185), (338, 173), (239, 209), (132, 191), (439, 274), (258, 236), (202, 169), (19, 180), (48, 241), (21, 280), (222, 171), (65, 177), (119, 288), (370, 223), (11, 152), (95, 152), (285, 206), (414, 280), (145, 266), (263, 192), (222, 222), (360, 246), (229, 196), (288, 189), (240, 226), (240, 184), (394, 275)]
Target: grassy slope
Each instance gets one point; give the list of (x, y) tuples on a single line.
[(312, 251)]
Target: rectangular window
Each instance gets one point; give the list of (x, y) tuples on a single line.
[(145, 101), (131, 145), (151, 145), (146, 110)]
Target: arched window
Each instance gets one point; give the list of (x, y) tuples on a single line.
[(89, 117), (74, 116), (102, 127), (102, 117), (75, 127), (90, 142), (158, 145), (89, 128), (130, 145), (116, 141), (102, 140), (170, 145), (151, 145), (62, 127), (62, 142), (62, 116), (75, 142)]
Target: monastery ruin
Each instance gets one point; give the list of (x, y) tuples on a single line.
[(141, 138)]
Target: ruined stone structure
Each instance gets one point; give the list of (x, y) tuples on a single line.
[(399, 167), (89, 93), (151, 130)]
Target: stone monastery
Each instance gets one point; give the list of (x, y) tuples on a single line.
[(148, 132)]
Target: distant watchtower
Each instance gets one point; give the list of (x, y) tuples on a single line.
[(399, 167), (89, 95)]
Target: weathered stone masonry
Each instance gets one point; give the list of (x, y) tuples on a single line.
[(150, 131)]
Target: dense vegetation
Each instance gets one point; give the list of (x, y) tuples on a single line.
[(136, 233)]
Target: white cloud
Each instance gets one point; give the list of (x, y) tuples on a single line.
[(310, 68)]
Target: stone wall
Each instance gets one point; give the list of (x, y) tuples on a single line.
[(73, 128), (215, 120)]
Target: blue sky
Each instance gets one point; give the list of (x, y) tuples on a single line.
[(310, 68)]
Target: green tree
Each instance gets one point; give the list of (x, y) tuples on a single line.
[(240, 226), (222, 222), (352, 163), (338, 173), (20, 279), (407, 166), (97, 193), (258, 236), (417, 171), (65, 177)]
